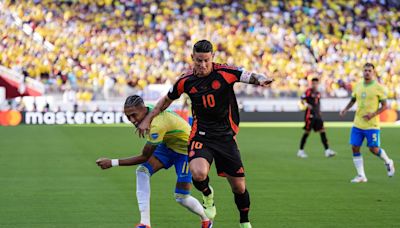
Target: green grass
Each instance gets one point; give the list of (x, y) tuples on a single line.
[(48, 178)]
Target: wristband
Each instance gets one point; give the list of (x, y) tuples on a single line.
[(114, 162)]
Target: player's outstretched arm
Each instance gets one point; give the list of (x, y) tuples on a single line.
[(144, 126), (255, 78), (147, 151), (348, 106)]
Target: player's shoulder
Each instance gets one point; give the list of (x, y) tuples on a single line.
[(358, 84), (186, 74), (380, 85), (308, 92), (221, 66), (158, 122)]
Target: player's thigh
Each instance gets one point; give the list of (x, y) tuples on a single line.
[(200, 158), (238, 184), (153, 164), (181, 163), (227, 158), (318, 125), (161, 158), (373, 138), (356, 137), (307, 125)]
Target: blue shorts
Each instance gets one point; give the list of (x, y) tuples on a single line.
[(373, 137), (168, 157)]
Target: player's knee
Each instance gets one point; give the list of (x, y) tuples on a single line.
[(180, 198), (143, 169), (199, 174), (374, 150), (355, 149), (238, 188)]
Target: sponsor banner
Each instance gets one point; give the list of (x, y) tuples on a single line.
[(14, 118), (74, 118)]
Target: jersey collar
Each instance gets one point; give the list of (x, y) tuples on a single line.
[(369, 84)]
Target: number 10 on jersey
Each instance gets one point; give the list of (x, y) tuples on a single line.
[(208, 101)]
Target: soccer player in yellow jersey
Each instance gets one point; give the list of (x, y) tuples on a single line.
[(166, 146), (368, 94)]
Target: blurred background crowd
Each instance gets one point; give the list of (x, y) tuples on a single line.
[(97, 49)]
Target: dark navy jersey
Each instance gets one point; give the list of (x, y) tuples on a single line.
[(312, 98), (214, 106)]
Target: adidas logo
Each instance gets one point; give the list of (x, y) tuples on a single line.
[(193, 90)]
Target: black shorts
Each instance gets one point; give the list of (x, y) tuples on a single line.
[(224, 151), (316, 124)]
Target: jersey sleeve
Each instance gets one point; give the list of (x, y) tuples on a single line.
[(354, 92), (304, 95), (231, 74), (156, 134), (382, 93), (177, 89)]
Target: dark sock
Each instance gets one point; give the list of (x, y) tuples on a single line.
[(202, 186), (243, 204), (303, 141), (324, 140)]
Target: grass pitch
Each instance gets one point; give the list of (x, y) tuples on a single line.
[(48, 178)]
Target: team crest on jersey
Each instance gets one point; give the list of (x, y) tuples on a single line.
[(216, 85), (154, 135), (363, 95), (191, 153)]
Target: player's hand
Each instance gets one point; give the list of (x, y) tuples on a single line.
[(343, 113), (267, 82), (144, 127), (368, 117), (104, 163)]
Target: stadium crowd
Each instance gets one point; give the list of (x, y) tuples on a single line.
[(113, 46)]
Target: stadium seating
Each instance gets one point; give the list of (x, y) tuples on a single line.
[(130, 44)]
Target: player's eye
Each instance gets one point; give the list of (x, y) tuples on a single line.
[(131, 115)]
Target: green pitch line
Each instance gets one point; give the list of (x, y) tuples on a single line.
[(252, 124), (301, 124)]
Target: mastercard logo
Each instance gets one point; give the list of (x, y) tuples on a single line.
[(10, 118)]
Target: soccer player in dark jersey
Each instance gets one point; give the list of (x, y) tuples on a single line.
[(313, 119), (215, 124)]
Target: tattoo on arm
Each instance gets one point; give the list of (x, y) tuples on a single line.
[(258, 79), (254, 78)]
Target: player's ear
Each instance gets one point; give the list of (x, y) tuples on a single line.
[(191, 55)]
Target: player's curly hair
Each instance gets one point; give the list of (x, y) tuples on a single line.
[(133, 100), (203, 46)]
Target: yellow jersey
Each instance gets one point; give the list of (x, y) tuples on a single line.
[(172, 130), (368, 98)]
